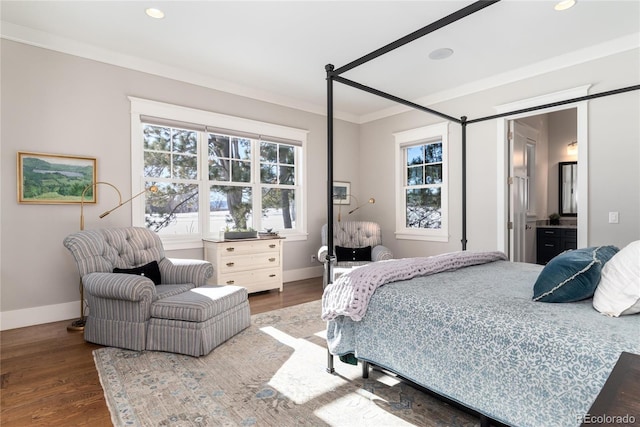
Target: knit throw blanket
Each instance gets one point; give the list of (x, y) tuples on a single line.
[(349, 295)]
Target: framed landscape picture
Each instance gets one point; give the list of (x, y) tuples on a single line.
[(55, 178), (341, 191)]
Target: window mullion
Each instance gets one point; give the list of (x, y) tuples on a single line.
[(203, 182), (256, 185)]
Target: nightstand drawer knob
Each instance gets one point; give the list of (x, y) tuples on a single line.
[(231, 249), (271, 259), (272, 275), (230, 264), (272, 246), (230, 282)]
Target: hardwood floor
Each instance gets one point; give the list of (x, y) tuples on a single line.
[(48, 376)]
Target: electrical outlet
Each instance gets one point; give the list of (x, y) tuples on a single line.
[(613, 218), (313, 259)]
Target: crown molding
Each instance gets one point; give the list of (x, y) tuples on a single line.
[(577, 57), (41, 39), (49, 41)]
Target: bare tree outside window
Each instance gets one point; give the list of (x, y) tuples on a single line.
[(171, 164), (241, 175), (423, 193)]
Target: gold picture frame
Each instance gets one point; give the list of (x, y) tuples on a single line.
[(55, 178)]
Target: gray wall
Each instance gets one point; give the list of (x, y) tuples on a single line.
[(58, 103)]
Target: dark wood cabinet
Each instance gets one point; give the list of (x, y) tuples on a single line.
[(551, 241), (618, 403)]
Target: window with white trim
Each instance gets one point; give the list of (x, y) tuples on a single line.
[(422, 183), (215, 172)]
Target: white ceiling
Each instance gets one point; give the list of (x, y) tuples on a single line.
[(277, 51)]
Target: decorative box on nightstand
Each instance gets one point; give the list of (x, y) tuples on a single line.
[(255, 264)]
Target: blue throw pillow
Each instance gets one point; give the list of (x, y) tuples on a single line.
[(572, 275)]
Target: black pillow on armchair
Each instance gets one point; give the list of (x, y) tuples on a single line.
[(353, 254), (151, 270)]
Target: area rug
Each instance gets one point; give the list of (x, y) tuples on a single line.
[(271, 374)]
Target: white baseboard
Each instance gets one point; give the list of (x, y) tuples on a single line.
[(303, 273), (71, 310), (38, 315)]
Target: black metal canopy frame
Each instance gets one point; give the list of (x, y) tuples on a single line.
[(334, 75)]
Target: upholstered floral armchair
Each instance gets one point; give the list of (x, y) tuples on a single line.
[(356, 243)]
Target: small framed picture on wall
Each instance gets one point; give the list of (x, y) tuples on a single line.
[(341, 192)]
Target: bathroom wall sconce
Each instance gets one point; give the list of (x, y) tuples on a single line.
[(572, 148)]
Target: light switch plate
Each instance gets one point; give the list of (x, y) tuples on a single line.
[(613, 217)]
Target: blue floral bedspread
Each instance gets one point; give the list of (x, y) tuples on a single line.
[(474, 336)]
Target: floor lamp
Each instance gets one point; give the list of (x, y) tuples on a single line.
[(358, 206), (371, 200), (78, 324)]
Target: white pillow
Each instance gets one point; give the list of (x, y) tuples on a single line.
[(618, 292)]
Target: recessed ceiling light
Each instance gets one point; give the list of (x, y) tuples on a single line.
[(154, 13), (564, 4), (441, 53)]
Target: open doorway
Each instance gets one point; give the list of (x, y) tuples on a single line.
[(537, 146), (504, 241)]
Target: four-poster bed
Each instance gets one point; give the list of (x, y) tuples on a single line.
[(508, 302)]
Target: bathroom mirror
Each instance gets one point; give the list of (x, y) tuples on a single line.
[(568, 188)]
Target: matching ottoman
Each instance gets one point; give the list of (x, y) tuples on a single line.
[(197, 321)]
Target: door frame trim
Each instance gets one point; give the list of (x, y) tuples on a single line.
[(502, 216)]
